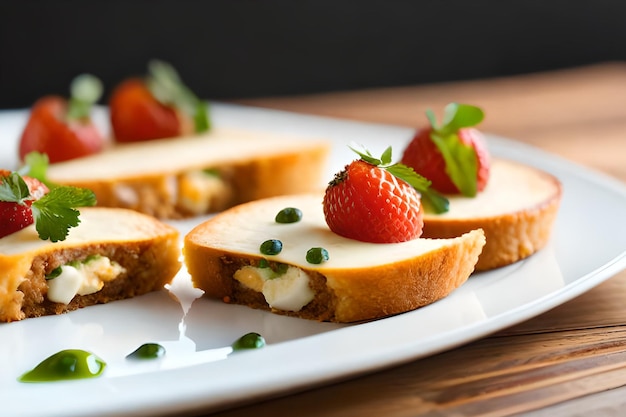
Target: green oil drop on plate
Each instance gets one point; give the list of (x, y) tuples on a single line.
[(67, 364), (147, 351)]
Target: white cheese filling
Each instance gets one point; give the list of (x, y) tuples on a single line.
[(289, 291), (82, 279)]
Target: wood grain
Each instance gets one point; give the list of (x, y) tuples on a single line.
[(561, 362)]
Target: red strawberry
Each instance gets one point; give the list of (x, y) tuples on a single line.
[(367, 202), (136, 115), (454, 157), (158, 106), (62, 128), (16, 215)]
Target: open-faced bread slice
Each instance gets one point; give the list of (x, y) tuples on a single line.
[(111, 255), (516, 210), (359, 281), (187, 176)]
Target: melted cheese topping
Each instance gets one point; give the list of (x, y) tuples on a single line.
[(219, 147), (96, 225), (242, 230), (512, 187)]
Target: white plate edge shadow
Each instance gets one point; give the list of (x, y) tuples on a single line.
[(180, 390)]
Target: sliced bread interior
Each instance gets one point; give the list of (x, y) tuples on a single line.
[(112, 254)]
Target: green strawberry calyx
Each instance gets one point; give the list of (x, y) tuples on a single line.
[(461, 159), (54, 213), (432, 199), (167, 87)]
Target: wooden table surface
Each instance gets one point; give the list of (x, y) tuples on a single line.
[(570, 360)]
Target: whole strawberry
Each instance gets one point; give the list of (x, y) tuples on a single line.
[(62, 128), (372, 200), (453, 156), (157, 106)]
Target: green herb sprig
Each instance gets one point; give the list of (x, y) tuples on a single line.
[(54, 213)]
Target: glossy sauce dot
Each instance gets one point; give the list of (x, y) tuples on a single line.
[(271, 247), (249, 341), (316, 255), (147, 351), (288, 215), (65, 365)]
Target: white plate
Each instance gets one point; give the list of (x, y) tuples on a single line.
[(588, 246)]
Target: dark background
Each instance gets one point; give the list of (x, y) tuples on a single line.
[(246, 48)]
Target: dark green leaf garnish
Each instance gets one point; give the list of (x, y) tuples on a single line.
[(13, 189), (55, 213)]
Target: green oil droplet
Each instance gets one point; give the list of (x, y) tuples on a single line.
[(249, 341), (271, 247), (288, 215), (147, 351), (317, 255), (65, 365)]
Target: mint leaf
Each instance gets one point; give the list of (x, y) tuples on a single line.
[(13, 189), (55, 212), (386, 156), (437, 202), (407, 174), (461, 162), (457, 116), (366, 155)]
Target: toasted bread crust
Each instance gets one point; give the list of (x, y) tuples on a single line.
[(512, 235), (416, 282), (150, 262), (342, 293)]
